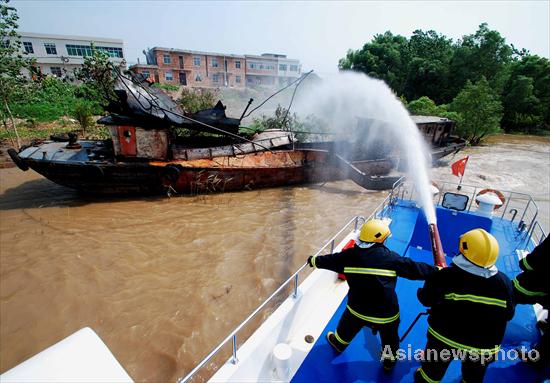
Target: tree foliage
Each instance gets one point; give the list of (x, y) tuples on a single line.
[(12, 62), (480, 109), (193, 100), (99, 77), (430, 66)]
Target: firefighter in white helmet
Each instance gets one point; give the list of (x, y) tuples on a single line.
[(371, 270)]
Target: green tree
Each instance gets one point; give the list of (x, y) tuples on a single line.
[(12, 63), (526, 95), (428, 68), (484, 53), (423, 106), (99, 78), (480, 110), (385, 58)]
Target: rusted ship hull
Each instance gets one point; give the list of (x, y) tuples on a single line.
[(220, 174)]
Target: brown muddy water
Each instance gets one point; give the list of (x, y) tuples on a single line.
[(162, 280)]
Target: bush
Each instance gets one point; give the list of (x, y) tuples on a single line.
[(193, 100), (83, 114)]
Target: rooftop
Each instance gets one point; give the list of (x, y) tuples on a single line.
[(70, 37), (196, 52)]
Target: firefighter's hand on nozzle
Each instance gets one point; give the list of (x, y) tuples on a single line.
[(309, 261)]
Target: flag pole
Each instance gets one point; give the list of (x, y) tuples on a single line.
[(462, 176)]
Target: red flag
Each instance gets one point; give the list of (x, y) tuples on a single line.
[(459, 166)]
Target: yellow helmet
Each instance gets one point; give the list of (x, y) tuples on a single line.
[(479, 247), (374, 231)]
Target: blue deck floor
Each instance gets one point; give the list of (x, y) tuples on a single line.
[(360, 361)]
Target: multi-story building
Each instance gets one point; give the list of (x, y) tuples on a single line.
[(271, 69), (213, 70), (193, 68), (60, 55)]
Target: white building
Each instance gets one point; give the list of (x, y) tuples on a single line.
[(60, 55)]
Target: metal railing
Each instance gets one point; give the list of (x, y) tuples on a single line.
[(381, 210), (518, 207), (517, 202)]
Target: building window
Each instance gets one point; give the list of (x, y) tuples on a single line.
[(237, 64), (145, 73), (111, 51), (215, 63), (28, 47), (249, 79), (216, 77), (50, 48), (166, 59), (79, 50), (198, 77), (56, 71), (238, 79), (86, 50), (282, 67), (252, 65), (294, 68), (197, 61), (169, 76)]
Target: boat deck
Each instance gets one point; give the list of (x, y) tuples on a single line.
[(360, 361)]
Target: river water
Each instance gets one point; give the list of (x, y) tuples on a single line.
[(163, 280)]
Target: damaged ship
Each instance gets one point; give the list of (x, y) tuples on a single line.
[(146, 154)]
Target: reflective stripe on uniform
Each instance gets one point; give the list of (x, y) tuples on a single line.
[(461, 346), (313, 262), (426, 377), (476, 299), (527, 266), (523, 290), (373, 319), (366, 270), (339, 339)]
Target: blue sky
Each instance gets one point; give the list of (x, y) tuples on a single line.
[(316, 32)]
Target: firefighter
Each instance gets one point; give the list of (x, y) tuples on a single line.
[(371, 270), (471, 302), (531, 286)]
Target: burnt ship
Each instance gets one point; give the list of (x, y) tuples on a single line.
[(147, 154)]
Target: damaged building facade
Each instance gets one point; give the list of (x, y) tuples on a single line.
[(200, 69)]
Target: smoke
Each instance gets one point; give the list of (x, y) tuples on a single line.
[(364, 111)]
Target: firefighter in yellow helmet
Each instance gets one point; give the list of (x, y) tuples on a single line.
[(471, 302), (371, 270)]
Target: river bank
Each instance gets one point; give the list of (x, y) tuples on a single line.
[(162, 280)]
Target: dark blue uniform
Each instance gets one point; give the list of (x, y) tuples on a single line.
[(533, 286), (469, 314), (372, 275)]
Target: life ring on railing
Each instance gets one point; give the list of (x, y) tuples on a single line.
[(498, 194)]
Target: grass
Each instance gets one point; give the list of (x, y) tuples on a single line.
[(29, 131)]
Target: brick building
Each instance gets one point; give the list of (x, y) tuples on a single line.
[(215, 70), (193, 68)]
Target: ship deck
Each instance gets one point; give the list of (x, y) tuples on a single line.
[(360, 361)]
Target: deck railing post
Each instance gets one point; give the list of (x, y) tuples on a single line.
[(525, 211), (472, 199), (234, 359), (332, 246), (356, 223), (506, 206), (295, 286)]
